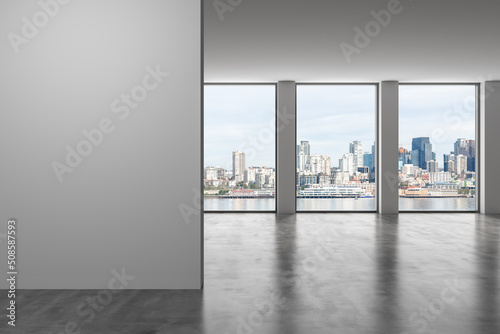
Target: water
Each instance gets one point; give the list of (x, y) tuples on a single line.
[(437, 204), (340, 204), (239, 204)]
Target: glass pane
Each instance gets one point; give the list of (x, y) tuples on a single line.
[(239, 148), (437, 153), (336, 147)]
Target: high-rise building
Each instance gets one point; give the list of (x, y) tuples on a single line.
[(424, 148), (415, 158), (302, 161), (250, 174), (461, 146), (367, 160), (221, 173), (460, 164), (445, 162), (467, 148), (326, 165), (356, 148), (346, 163), (363, 170), (239, 166), (211, 173), (320, 164), (451, 166), (432, 166), (374, 158), (471, 159), (303, 155), (270, 180), (260, 180)]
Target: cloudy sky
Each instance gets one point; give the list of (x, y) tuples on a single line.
[(241, 117)]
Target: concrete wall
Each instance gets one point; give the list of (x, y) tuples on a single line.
[(306, 41), (286, 148), (387, 157), (490, 148), (130, 200)]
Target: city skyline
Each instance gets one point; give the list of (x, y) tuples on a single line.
[(300, 149), (444, 115)]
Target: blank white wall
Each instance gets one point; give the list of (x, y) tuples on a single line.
[(120, 208)]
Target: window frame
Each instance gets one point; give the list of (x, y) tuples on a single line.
[(477, 127), (275, 86), (377, 148)]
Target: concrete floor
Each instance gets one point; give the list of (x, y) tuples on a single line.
[(311, 273)]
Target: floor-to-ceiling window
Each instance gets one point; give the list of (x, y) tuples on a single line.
[(335, 157), (239, 149), (437, 147)]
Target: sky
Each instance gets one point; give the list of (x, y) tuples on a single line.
[(241, 117), (443, 113), (332, 116)]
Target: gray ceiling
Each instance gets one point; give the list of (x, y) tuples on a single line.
[(429, 40)]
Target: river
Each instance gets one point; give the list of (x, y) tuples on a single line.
[(340, 204)]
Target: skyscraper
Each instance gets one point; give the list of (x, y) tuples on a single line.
[(302, 161), (423, 146), (471, 159), (461, 146), (374, 158), (303, 155), (467, 148), (432, 166), (320, 164), (460, 163), (239, 166), (367, 160), (445, 161), (357, 150), (346, 163)]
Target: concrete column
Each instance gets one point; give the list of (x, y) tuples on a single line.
[(387, 154), (490, 149), (286, 148)]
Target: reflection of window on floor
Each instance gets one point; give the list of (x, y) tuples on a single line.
[(336, 147), (239, 147), (437, 153)]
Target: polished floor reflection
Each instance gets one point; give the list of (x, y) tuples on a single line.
[(313, 273)]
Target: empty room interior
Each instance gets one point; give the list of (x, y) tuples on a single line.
[(250, 166)]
